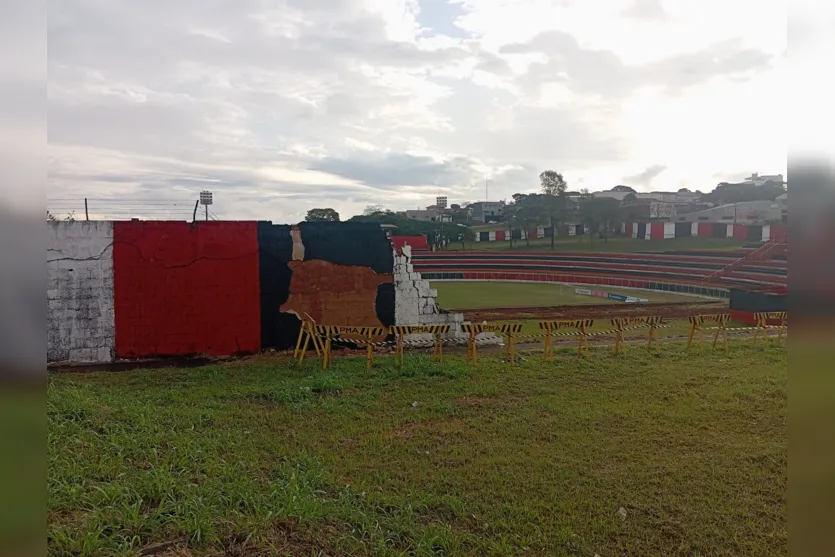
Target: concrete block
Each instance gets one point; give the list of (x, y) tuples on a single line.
[(433, 292)]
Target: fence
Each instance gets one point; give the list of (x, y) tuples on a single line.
[(323, 337)]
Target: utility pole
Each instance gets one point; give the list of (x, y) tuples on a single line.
[(86, 212)]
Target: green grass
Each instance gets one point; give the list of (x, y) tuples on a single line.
[(468, 295), (260, 457), (614, 245)]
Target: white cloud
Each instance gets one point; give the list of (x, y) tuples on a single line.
[(282, 105)]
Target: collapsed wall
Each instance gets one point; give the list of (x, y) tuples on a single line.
[(140, 289), (415, 303)]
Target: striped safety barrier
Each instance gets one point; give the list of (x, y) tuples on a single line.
[(623, 324), (697, 323), (582, 333), (437, 332), (509, 330), (764, 319)]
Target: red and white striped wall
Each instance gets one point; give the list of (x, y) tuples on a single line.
[(667, 230)]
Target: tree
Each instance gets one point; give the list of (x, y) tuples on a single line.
[(465, 236), (527, 214), (552, 183), (322, 215), (626, 189), (373, 209), (50, 217), (511, 216), (553, 200), (598, 214), (459, 214), (630, 199), (726, 193)]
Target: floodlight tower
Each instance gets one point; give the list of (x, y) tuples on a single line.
[(206, 200)]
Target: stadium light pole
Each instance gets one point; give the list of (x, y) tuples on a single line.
[(206, 200)]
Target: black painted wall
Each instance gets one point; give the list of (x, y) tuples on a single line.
[(384, 304), (363, 244), (683, 229), (354, 244), (275, 250), (753, 301)]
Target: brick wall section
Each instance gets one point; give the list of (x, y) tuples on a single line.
[(186, 288), (334, 294), (80, 320)]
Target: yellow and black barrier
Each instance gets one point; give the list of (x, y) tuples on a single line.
[(437, 331), (697, 328), (557, 328), (322, 336), (307, 335), (623, 324), (763, 324), (509, 330), (329, 333)]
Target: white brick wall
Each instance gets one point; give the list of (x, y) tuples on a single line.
[(80, 316), (414, 302)]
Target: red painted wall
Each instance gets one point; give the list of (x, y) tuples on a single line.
[(182, 288), (705, 230), (629, 228), (656, 231), (779, 233), (741, 231), (417, 243), (500, 235)]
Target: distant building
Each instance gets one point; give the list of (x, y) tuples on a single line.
[(485, 211), (645, 210), (745, 212), (441, 202), (758, 180), (674, 197), (426, 215)]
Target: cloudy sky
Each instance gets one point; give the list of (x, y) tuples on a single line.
[(278, 106)]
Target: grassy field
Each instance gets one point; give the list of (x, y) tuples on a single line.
[(614, 245), (468, 295), (260, 457)]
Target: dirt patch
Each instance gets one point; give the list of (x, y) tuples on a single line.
[(591, 311)]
